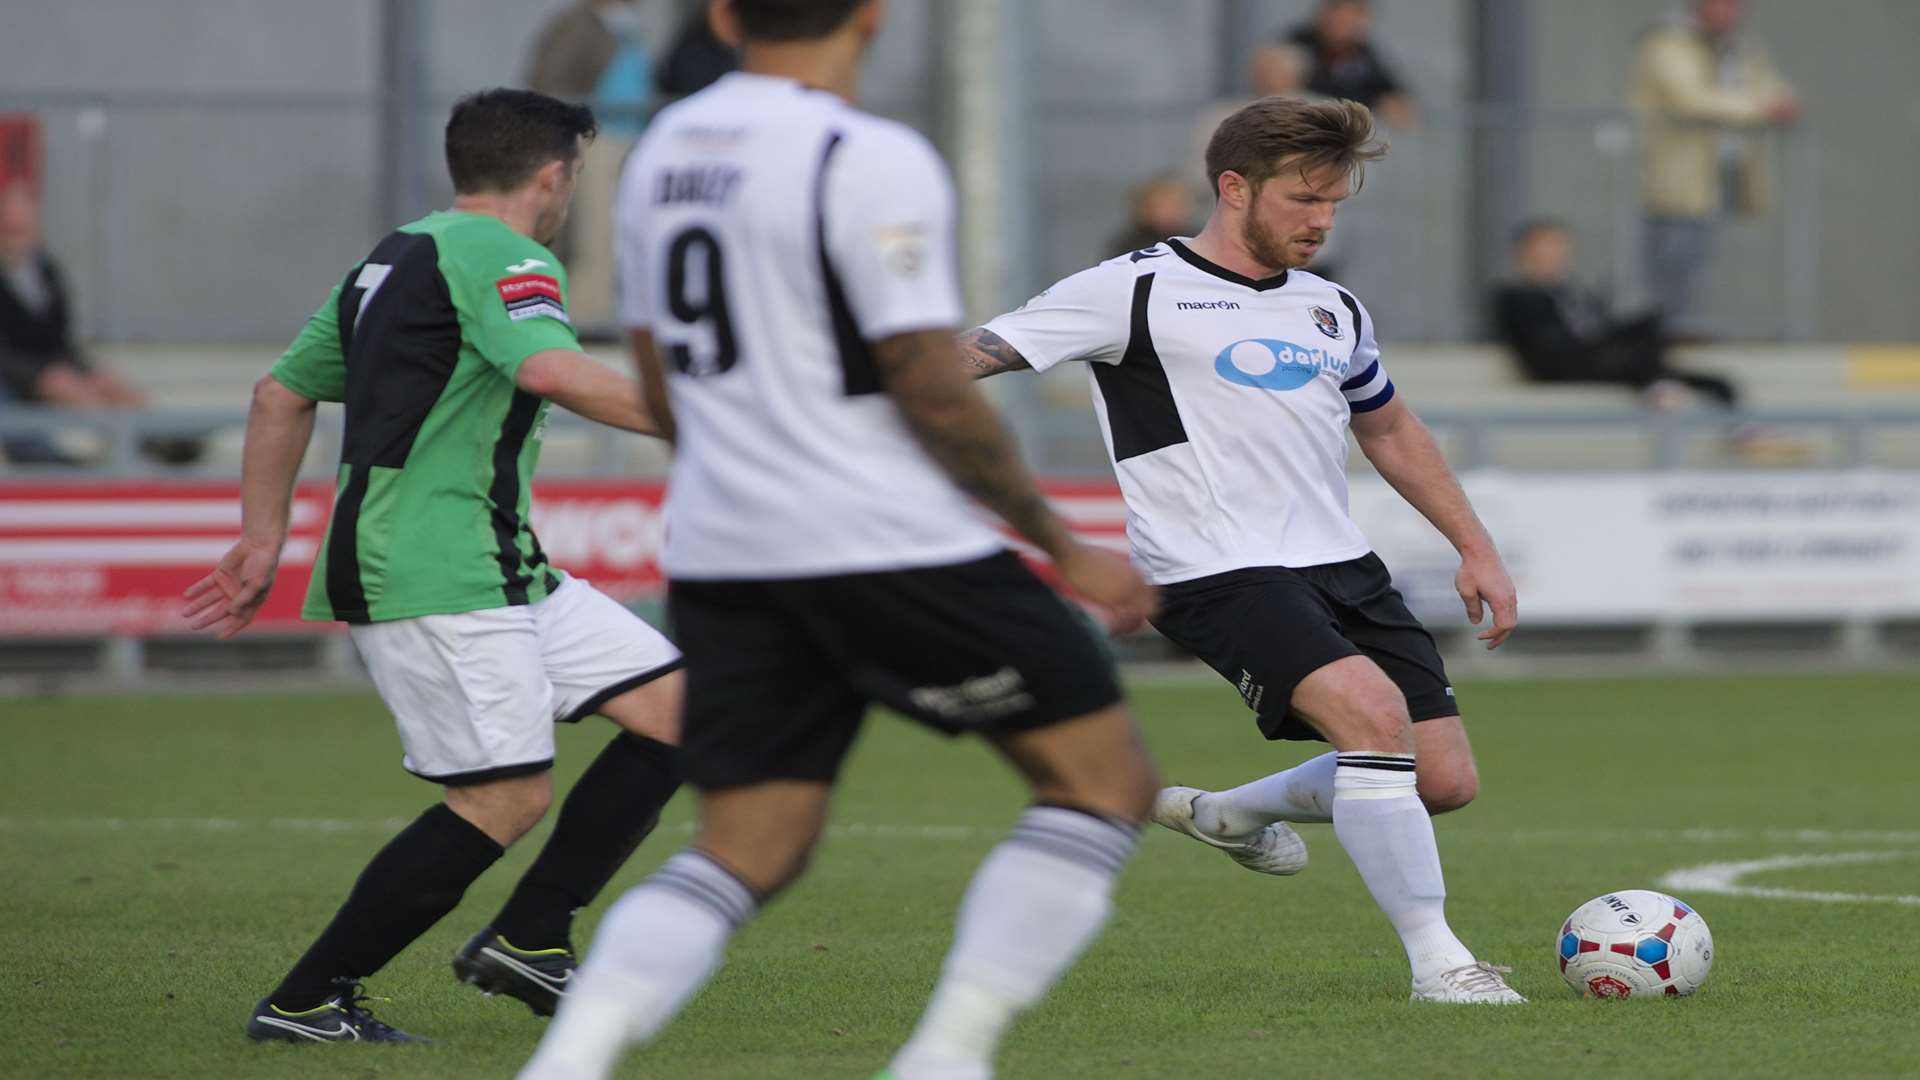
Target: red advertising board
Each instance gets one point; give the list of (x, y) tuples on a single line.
[(19, 150), (113, 557)]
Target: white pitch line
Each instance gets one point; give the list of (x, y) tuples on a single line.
[(1723, 878), (849, 830), (930, 831)]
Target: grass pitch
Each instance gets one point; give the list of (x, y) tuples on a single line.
[(168, 857)]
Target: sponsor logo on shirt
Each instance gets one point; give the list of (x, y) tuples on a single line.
[(903, 248), (1328, 324), (1205, 305), (1266, 364), (528, 296)]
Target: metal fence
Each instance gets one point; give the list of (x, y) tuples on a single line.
[(220, 217)]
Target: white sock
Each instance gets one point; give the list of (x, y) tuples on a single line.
[(1302, 793), (656, 947), (1034, 904), (1378, 816)]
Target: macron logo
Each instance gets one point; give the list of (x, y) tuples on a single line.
[(528, 266), (1206, 305)]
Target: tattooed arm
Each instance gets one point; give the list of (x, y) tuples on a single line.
[(984, 353), (961, 432)]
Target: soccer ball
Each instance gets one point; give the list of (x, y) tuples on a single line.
[(1634, 943)]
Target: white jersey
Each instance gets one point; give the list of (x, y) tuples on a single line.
[(1224, 402), (766, 233)]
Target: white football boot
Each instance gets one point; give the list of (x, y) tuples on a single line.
[(1474, 984), (1276, 849)]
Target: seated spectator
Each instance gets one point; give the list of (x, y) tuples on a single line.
[(1346, 65), (39, 361), (1162, 207), (1561, 333)]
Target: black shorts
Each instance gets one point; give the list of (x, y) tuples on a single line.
[(780, 673), (1266, 628)]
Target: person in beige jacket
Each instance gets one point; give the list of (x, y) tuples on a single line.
[(1707, 95)]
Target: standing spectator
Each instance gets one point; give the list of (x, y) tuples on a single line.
[(1162, 207), (1561, 333), (593, 50), (697, 58), (1346, 65), (1706, 93)]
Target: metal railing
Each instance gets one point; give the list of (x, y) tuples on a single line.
[(219, 216)]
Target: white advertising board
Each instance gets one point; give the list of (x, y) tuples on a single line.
[(1696, 546)]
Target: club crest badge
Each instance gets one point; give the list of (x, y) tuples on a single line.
[(1328, 324)]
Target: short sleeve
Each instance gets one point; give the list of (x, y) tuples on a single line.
[(517, 304), (1367, 386), (313, 366), (629, 246), (888, 214), (1084, 317)]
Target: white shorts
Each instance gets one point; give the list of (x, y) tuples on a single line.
[(476, 694)]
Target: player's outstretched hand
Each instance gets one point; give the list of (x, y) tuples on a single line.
[(1483, 582), (1106, 578), (227, 599)]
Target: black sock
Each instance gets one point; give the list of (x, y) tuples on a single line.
[(410, 885), (613, 807)]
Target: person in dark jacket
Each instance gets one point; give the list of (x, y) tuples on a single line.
[(39, 361), (1346, 65), (1561, 333)]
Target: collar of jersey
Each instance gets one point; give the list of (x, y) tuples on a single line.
[(1210, 267), (771, 82)]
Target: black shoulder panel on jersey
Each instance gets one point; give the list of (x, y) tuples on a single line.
[(504, 493), (1141, 414), (1359, 321), (401, 339), (860, 373)]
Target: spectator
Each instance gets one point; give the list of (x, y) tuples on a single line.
[(594, 50), (39, 360), (1274, 69), (1706, 93), (1162, 207), (1561, 333), (697, 59), (1345, 63)]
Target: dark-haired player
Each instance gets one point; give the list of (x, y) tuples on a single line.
[(787, 269), (446, 344)]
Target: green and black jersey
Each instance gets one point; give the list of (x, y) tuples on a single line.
[(422, 341)]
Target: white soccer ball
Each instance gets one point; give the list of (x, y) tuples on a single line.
[(1634, 943)]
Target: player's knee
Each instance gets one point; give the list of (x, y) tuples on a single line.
[(1374, 720), (1449, 789), (505, 810)]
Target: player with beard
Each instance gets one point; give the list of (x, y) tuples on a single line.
[(1226, 378)]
